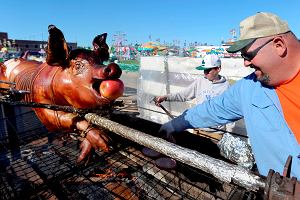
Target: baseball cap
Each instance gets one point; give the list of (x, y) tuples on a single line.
[(210, 61), (262, 24)]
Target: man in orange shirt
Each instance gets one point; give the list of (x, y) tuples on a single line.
[(268, 99)]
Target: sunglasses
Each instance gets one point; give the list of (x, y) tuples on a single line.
[(250, 55), (206, 71)]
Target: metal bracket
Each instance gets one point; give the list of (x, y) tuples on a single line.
[(282, 187)]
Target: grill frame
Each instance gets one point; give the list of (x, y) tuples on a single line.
[(43, 166)]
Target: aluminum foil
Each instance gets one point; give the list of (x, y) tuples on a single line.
[(236, 150), (223, 171)]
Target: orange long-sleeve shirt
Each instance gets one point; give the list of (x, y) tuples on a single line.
[(289, 97)]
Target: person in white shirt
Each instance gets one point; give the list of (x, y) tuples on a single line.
[(203, 88)]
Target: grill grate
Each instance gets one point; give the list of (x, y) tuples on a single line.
[(43, 166)]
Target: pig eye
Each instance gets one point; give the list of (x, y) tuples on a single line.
[(80, 67)]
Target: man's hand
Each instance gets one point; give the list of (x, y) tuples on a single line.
[(166, 131), (176, 125), (159, 99)]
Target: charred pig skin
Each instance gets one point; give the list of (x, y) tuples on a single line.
[(68, 78)]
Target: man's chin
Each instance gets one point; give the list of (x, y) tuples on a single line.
[(261, 77), (264, 79)]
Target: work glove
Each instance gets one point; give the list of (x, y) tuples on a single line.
[(166, 131), (179, 124)]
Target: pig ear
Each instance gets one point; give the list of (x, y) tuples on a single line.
[(99, 40), (101, 48), (57, 48)]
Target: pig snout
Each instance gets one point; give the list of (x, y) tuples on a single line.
[(112, 71), (109, 84)]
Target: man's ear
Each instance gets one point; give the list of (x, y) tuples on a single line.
[(57, 48), (280, 46)]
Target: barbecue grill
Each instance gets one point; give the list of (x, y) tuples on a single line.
[(37, 164)]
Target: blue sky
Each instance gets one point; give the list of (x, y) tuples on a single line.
[(167, 20)]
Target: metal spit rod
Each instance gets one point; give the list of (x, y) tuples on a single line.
[(221, 170)]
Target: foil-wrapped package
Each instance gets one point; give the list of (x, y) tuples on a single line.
[(236, 150)]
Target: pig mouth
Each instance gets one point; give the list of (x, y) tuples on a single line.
[(96, 86), (107, 89)]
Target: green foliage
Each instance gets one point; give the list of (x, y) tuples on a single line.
[(130, 62), (129, 67)]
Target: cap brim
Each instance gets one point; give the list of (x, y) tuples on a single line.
[(238, 45), (201, 68)]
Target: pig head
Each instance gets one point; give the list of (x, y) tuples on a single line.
[(75, 78)]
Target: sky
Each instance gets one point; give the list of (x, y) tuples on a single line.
[(138, 21)]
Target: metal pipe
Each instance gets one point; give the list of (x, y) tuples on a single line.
[(221, 170), (172, 117), (8, 82), (166, 111), (81, 112)]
